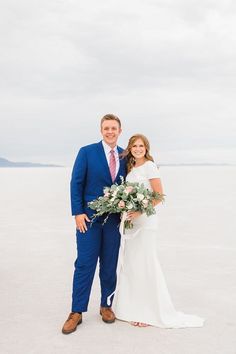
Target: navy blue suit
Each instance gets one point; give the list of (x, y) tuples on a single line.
[(89, 177)]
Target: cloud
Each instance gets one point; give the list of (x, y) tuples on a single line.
[(166, 67), (65, 48)]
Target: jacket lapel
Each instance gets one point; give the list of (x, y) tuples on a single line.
[(104, 161), (120, 167), (105, 164)]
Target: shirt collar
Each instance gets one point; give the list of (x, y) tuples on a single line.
[(107, 148)]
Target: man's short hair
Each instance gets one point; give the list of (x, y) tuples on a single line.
[(111, 117)]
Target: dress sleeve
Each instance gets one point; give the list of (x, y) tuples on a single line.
[(152, 170)]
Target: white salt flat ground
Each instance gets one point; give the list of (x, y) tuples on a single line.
[(197, 252)]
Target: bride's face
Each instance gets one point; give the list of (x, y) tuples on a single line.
[(138, 149)]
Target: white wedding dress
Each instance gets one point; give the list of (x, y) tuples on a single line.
[(142, 294)]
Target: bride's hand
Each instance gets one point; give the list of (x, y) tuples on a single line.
[(133, 214)]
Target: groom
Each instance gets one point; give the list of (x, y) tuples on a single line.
[(96, 166)]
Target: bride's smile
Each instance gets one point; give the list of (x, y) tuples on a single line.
[(138, 150)]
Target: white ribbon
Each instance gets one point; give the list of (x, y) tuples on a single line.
[(124, 236)]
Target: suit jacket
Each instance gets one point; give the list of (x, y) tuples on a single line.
[(90, 175)]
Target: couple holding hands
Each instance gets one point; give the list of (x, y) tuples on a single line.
[(142, 297)]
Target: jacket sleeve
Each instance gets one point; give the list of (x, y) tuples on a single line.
[(77, 183)]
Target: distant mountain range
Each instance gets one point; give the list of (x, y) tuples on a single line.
[(197, 164), (7, 163)]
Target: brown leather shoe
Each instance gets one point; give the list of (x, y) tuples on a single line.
[(74, 319), (108, 315)]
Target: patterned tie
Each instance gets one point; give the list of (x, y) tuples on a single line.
[(112, 165)]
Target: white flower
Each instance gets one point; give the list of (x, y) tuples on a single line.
[(113, 195), (130, 206), (140, 196), (145, 203), (106, 190)]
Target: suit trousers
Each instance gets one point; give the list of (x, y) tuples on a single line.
[(98, 242)]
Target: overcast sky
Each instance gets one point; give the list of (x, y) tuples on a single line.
[(166, 68)]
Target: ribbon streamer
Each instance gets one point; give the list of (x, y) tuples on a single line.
[(124, 236)]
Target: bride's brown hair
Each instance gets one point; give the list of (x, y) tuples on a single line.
[(127, 152)]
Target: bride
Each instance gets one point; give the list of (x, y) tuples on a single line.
[(142, 297)]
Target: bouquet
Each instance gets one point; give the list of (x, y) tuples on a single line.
[(124, 197)]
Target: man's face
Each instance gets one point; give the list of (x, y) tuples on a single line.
[(110, 130)]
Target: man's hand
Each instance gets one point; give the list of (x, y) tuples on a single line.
[(80, 222)]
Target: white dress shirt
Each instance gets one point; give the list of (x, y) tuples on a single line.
[(107, 150)]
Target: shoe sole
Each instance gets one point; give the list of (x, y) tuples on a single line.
[(107, 321), (73, 330)]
